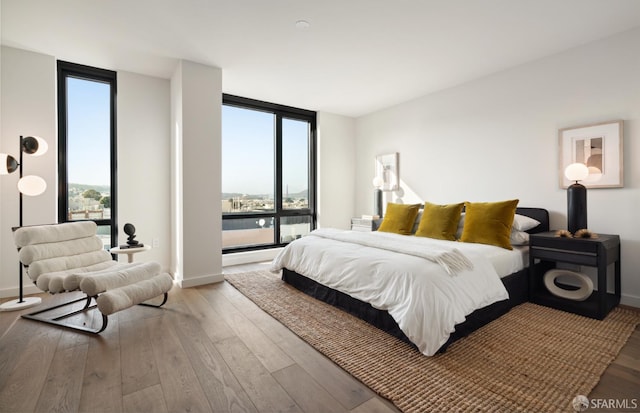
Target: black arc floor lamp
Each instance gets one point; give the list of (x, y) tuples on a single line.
[(30, 185)]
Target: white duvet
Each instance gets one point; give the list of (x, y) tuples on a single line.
[(423, 298)]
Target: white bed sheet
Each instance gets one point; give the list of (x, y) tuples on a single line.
[(423, 299), (504, 261)]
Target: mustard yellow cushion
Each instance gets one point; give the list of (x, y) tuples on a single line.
[(489, 222), (399, 218), (440, 221)]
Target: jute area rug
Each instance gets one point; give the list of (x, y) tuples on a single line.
[(532, 359)]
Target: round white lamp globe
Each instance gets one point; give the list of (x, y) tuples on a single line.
[(576, 172), (32, 185)]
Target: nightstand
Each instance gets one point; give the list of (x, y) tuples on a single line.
[(599, 252), (364, 224)]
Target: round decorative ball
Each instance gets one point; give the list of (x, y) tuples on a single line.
[(129, 229)]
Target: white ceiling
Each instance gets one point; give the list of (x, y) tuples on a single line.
[(357, 56)]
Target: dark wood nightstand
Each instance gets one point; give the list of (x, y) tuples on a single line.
[(599, 252), (364, 224)]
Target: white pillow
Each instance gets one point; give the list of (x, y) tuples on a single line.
[(519, 237), (524, 223)]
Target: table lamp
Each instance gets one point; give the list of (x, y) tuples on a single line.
[(576, 197)]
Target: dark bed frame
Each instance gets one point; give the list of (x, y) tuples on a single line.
[(517, 284)]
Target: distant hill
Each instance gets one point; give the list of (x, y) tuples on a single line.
[(84, 187), (302, 194), (229, 195)]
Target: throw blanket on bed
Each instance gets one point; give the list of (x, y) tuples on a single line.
[(451, 259), (418, 293)]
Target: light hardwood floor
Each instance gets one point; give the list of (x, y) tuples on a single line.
[(210, 349)]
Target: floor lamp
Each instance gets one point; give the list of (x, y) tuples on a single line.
[(30, 185)]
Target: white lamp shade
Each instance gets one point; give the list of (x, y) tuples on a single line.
[(32, 185), (43, 146), (8, 164), (378, 182), (576, 172)]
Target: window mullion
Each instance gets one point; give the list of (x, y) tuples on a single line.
[(278, 175), (114, 164)]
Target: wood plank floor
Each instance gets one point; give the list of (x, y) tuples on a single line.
[(210, 349)]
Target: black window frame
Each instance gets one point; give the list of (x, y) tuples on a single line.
[(74, 70), (280, 112)]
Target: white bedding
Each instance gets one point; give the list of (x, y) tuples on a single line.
[(504, 261), (418, 293)]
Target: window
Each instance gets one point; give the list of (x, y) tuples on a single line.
[(87, 147), (268, 174)]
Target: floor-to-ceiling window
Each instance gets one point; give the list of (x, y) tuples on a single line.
[(268, 174), (87, 147)]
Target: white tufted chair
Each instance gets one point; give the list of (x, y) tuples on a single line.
[(70, 256)]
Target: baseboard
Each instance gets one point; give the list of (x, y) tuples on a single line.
[(630, 301), (13, 292), (201, 280)]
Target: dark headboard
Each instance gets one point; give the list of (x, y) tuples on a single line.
[(539, 214)]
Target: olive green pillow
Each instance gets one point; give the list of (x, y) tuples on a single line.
[(489, 222), (399, 218), (440, 221)]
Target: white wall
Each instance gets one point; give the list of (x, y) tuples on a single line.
[(143, 163), (336, 170), (196, 113), (497, 138), (28, 93)]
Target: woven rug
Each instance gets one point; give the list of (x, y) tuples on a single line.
[(533, 358)]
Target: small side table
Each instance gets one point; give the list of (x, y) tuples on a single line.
[(129, 251), (599, 252)]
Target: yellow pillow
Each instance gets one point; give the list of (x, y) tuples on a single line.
[(489, 222), (399, 218), (440, 221)]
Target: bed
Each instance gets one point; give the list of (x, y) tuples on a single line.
[(310, 277)]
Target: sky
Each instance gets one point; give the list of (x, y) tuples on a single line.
[(248, 156), (88, 126)]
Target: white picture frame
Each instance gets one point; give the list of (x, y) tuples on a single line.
[(600, 147), (387, 169)]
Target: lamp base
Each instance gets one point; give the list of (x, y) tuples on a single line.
[(16, 304), (377, 202), (576, 207)]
